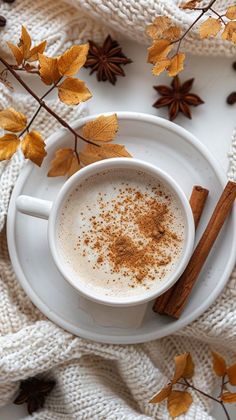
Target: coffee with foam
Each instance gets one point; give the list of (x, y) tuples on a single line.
[(121, 233)]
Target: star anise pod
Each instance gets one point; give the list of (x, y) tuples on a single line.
[(177, 98), (106, 60), (33, 392)]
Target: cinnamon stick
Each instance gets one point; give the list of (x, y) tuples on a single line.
[(197, 202), (188, 279)]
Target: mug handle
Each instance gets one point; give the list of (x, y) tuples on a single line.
[(32, 206)]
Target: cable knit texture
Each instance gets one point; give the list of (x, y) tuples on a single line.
[(98, 381)]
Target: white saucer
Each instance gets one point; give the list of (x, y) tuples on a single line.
[(177, 152)]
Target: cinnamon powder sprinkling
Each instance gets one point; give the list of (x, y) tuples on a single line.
[(133, 233)]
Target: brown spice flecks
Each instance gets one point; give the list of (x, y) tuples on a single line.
[(133, 234), (124, 253), (151, 223)]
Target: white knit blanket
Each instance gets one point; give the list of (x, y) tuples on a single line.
[(98, 381)]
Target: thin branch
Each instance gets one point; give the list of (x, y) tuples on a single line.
[(75, 150), (219, 16), (207, 395), (203, 11), (43, 104), (39, 108), (200, 391), (226, 412)]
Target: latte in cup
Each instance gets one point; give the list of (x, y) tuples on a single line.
[(121, 232)]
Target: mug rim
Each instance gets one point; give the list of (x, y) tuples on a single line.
[(137, 164)]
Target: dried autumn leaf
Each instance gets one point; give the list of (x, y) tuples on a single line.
[(160, 66), (159, 25), (231, 372), (73, 59), (92, 153), (162, 395), (61, 163), (104, 128), (74, 167), (12, 120), (17, 52), (176, 64), (25, 41), (172, 34), (178, 403), (189, 4), (228, 397), (184, 367), (35, 51), (219, 365), (209, 28), (231, 13), (8, 146), (189, 368), (48, 69), (229, 33), (33, 147), (159, 50), (73, 91)]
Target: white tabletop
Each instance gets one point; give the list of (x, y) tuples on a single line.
[(212, 122)]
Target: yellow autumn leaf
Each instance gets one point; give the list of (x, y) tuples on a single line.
[(184, 367), (210, 27), (219, 365), (33, 147), (159, 25), (73, 91), (25, 41), (178, 403), (176, 64), (8, 146), (73, 59), (228, 397), (160, 66), (74, 167), (189, 368), (61, 163), (48, 69), (229, 33), (189, 4), (92, 153), (104, 128), (159, 50), (162, 395), (231, 13), (35, 51), (17, 52), (12, 120), (231, 372), (172, 34)]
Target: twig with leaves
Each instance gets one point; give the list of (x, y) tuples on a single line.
[(58, 73), (179, 401), (167, 37)]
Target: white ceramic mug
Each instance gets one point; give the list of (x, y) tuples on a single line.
[(48, 210)]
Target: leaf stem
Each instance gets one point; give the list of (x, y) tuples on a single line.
[(42, 103)]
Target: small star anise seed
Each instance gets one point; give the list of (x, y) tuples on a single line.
[(177, 98), (106, 60), (33, 392)]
